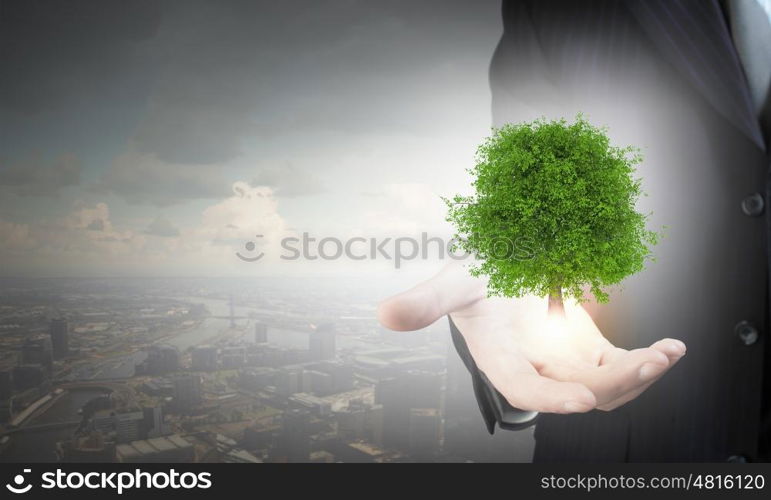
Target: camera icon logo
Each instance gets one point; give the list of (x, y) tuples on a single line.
[(17, 486)]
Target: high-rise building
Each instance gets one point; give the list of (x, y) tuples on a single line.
[(360, 421), (393, 394), (288, 380), (322, 342), (122, 426), (294, 443), (260, 333), (129, 426), (351, 422), (187, 391), (399, 395), (425, 432), (153, 424), (38, 350), (162, 359), (60, 337), (204, 358), (341, 374)]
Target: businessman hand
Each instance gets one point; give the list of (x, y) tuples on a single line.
[(537, 361)]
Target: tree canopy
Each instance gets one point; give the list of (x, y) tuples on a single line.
[(553, 211)]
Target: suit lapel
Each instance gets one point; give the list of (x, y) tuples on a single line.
[(693, 35)]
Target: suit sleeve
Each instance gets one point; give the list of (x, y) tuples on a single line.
[(492, 404)]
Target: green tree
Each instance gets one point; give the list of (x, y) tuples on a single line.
[(553, 212)]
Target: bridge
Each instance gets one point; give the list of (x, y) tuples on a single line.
[(232, 316)]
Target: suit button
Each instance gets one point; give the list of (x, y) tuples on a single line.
[(753, 205), (741, 459), (746, 332)]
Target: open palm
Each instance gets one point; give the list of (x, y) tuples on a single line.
[(538, 362)]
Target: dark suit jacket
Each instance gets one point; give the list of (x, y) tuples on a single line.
[(664, 75)]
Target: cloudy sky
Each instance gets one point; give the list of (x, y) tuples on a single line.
[(157, 138)]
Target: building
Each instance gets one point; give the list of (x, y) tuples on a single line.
[(341, 376), (275, 356), (260, 333), (425, 432), (160, 387), (38, 350), (233, 357), (60, 337), (122, 426), (351, 422), (399, 395), (91, 449), (288, 380), (187, 392), (313, 404), (322, 342), (393, 361), (204, 358), (319, 383), (356, 452), (360, 421), (162, 359), (239, 456), (169, 449), (129, 426), (153, 424), (294, 442), (28, 376)]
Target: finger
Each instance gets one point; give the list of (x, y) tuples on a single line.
[(673, 349), (518, 381), (627, 372), (450, 289), (533, 392), (612, 354)]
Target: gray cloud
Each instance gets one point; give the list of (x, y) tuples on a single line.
[(161, 226), (190, 85), (96, 225), (233, 70), (58, 52), (37, 177), (288, 180), (145, 179)]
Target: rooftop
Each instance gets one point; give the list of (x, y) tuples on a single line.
[(153, 446)]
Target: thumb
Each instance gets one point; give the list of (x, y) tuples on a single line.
[(449, 290)]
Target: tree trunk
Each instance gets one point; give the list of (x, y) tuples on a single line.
[(556, 306)]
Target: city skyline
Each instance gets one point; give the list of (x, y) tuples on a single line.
[(190, 370)]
